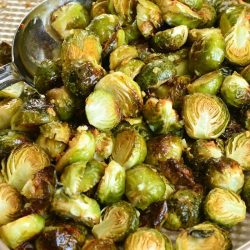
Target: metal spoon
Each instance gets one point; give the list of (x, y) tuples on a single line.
[(34, 42)]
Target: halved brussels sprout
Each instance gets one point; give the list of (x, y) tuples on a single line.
[(209, 83), (246, 192), (204, 236), (235, 90), (10, 203), (155, 73), (246, 73), (10, 139), (176, 13), (104, 144), (80, 78), (63, 237), (160, 116), (72, 176), (81, 148), (238, 148), (99, 245), (144, 186), (148, 238), (17, 232), (122, 55), (126, 92), (8, 107), (81, 45), (205, 116), (129, 149), (78, 207), (184, 209), (13, 91), (34, 112), (208, 15), (41, 185), (23, 162), (118, 221), (225, 173), (148, 17), (104, 26), (132, 32), (193, 4), (207, 52), (112, 185), (102, 110), (161, 148), (237, 41), (132, 68), (64, 104), (224, 207), (47, 76), (72, 15), (92, 175), (170, 39), (99, 7)]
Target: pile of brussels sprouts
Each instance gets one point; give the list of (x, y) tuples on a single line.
[(141, 126)]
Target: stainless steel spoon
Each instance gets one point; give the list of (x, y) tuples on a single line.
[(34, 42)]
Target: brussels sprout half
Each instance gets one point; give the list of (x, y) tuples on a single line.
[(148, 238), (205, 116), (224, 207), (118, 221), (238, 148), (99, 245), (13, 91), (99, 7), (204, 236), (17, 232)]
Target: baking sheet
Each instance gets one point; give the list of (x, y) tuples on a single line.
[(11, 13)]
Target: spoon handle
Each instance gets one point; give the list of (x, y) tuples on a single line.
[(9, 76)]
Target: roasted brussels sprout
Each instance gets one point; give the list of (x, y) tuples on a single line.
[(237, 148), (209, 83), (104, 144), (81, 148), (122, 55), (148, 17), (246, 73), (237, 41), (78, 207), (23, 162), (23, 229), (145, 186), (205, 116), (112, 185), (47, 76), (92, 175), (208, 15), (8, 107), (224, 207), (64, 103), (104, 26), (246, 192), (5, 53), (132, 33), (10, 139), (207, 52), (225, 173), (126, 92), (235, 90), (11, 203), (129, 149), (80, 78), (193, 4), (118, 221), (204, 236), (160, 116), (170, 39), (148, 238), (102, 110), (99, 7), (70, 16), (177, 13), (161, 148), (155, 73), (13, 91), (99, 245), (184, 209), (81, 45)]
